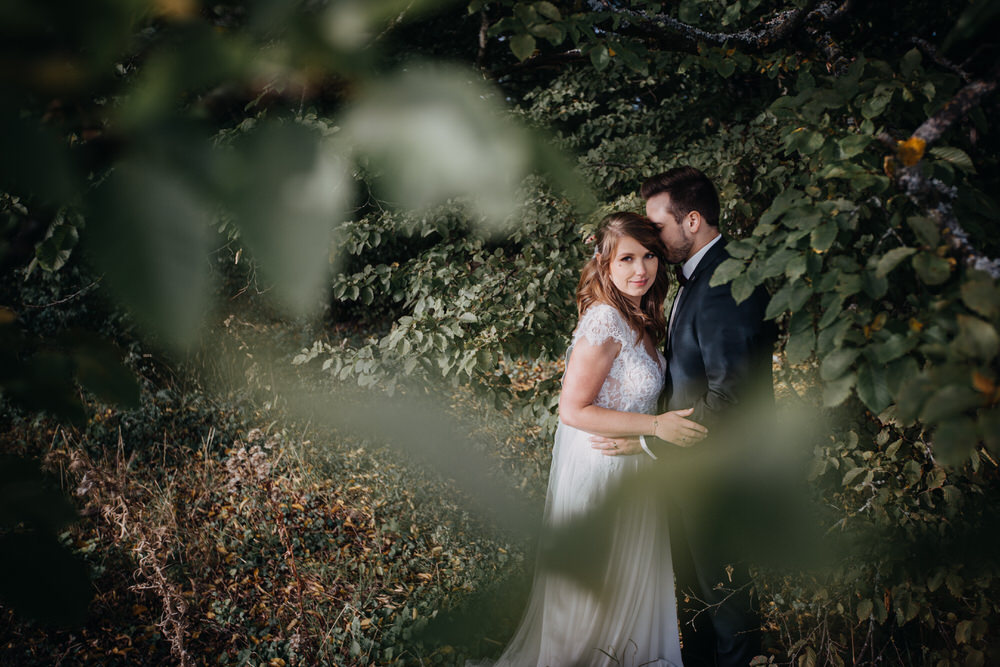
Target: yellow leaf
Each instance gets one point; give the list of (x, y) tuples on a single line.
[(911, 150), (983, 384)]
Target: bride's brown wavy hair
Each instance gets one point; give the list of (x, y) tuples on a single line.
[(595, 280)]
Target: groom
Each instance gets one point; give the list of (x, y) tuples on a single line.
[(719, 362)]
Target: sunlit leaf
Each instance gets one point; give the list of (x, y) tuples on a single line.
[(436, 135), (288, 187)]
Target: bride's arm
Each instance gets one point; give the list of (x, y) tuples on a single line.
[(586, 371)]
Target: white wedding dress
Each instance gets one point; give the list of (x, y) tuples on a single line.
[(634, 621)]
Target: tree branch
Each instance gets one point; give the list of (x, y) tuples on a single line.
[(963, 102), (683, 37), (542, 60), (930, 193), (932, 53)]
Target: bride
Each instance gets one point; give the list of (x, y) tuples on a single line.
[(613, 378)]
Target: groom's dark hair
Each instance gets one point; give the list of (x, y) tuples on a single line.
[(689, 190)]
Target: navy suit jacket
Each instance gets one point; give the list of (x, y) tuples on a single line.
[(718, 352)]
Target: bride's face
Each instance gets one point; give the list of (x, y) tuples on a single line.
[(633, 269)]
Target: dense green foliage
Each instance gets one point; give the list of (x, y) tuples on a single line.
[(854, 147)]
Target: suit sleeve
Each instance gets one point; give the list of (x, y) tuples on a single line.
[(731, 338)]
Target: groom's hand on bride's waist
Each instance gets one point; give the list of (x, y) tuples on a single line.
[(616, 446)]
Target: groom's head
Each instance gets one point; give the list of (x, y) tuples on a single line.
[(684, 205)]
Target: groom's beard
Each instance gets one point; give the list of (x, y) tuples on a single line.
[(679, 253)]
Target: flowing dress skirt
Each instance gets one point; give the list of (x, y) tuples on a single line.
[(629, 618)]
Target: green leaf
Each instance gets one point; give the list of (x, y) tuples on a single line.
[(955, 441), (982, 296), (741, 249), (781, 204), (910, 62), (931, 269), (600, 57), (989, 429), (955, 156), (833, 305), (823, 236), (963, 632), (838, 362), (891, 259), (148, 234), (851, 475), (800, 346), (526, 13), (548, 10), (914, 391), (950, 401), (55, 250), (522, 45), (552, 33), (976, 338), (791, 297), (912, 472), (865, 608), (893, 348), (853, 145), (873, 388), (926, 230), (726, 272), (776, 264), (797, 266), (899, 372), (875, 105), (742, 288), (287, 188), (727, 67), (837, 391), (804, 141)]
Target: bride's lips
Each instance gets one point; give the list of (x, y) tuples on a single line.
[(639, 283)]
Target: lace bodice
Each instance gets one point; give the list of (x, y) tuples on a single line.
[(635, 379)]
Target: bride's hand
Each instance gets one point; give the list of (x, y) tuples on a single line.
[(673, 427)]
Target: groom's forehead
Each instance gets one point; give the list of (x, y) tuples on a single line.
[(658, 202)]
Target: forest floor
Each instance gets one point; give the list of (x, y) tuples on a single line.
[(223, 527)]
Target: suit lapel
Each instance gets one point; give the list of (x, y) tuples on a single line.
[(703, 271)]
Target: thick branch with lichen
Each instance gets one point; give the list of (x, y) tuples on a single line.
[(931, 194), (680, 36)]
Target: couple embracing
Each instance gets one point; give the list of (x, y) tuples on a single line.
[(715, 358)]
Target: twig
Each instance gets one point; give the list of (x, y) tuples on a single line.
[(928, 50), (57, 302)]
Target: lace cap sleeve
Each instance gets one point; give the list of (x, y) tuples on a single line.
[(600, 323)]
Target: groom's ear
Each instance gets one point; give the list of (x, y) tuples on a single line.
[(694, 221)]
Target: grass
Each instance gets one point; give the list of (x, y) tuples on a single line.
[(220, 530)]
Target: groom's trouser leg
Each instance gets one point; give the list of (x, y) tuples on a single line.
[(724, 584), (697, 632)]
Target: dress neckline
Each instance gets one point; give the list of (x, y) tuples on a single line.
[(642, 341)]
